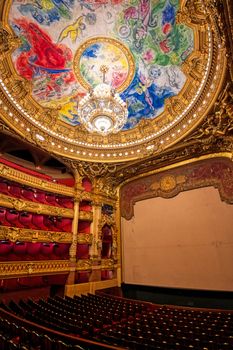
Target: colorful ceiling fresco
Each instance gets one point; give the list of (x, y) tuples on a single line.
[(139, 40)]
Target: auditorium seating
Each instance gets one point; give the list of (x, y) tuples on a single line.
[(23, 192), (130, 324)]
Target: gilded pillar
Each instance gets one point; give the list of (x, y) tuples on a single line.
[(95, 249), (73, 247)]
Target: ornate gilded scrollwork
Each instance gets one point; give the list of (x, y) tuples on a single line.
[(208, 172), (83, 264), (8, 41), (27, 235), (107, 264), (219, 123), (86, 215), (25, 268), (32, 181), (23, 205), (85, 238)]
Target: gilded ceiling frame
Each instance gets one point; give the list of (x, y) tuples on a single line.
[(208, 60)]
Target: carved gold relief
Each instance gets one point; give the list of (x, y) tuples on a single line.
[(107, 264), (25, 268), (32, 181), (20, 204), (28, 235), (83, 264), (85, 238), (86, 215), (167, 183)]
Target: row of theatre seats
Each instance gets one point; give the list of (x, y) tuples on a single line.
[(127, 324), (15, 337), (34, 221), (32, 251), (32, 194)]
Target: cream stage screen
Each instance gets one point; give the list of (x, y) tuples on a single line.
[(181, 242)]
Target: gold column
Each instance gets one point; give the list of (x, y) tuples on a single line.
[(95, 249), (96, 243), (73, 247)]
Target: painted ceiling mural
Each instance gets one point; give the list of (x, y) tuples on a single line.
[(64, 42)]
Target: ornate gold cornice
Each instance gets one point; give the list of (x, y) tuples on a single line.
[(30, 268), (85, 238), (86, 215), (23, 205), (32, 181), (28, 235)]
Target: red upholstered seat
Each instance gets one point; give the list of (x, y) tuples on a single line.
[(12, 216), (20, 248), (66, 202), (28, 194), (83, 251), (38, 221), (50, 223), (64, 224), (85, 206), (15, 191), (33, 248), (51, 199), (40, 197), (3, 220), (46, 249), (5, 247), (84, 226), (61, 250), (4, 187), (25, 219)]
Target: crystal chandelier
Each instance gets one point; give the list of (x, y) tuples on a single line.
[(102, 110)]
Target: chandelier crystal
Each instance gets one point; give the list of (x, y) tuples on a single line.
[(102, 110)]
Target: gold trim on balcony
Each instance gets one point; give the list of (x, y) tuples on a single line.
[(85, 238), (85, 215), (25, 268), (35, 182), (27, 235), (84, 264), (39, 208)]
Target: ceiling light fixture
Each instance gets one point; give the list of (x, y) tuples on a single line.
[(102, 110)]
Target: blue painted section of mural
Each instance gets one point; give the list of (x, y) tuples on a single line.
[(52, 30)]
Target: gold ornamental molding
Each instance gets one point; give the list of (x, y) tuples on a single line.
[(25, 268), (27, 235), (205, 70), (84, 264), (168, 183), (85, 215), (107, 264), (23, 205), (112, 44), (32, 181), (85, 238), (212, 170)]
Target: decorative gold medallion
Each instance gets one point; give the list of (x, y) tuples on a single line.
[(103, 51), (168, 183)]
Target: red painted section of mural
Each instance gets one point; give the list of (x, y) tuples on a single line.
[(43, 53)]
